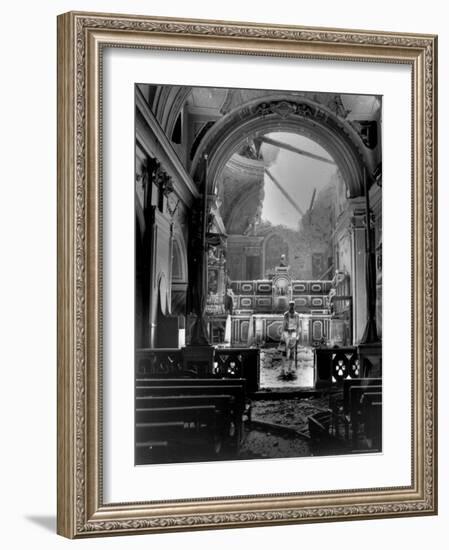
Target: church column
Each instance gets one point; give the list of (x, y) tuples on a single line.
[(370, 333), (198, 266), (358, 272), (157, 249), (149, 193), (350, 243), (363, 284)]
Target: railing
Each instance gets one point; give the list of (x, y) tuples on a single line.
[(161, 362), (336, 364), (238, 363), (224, 363)]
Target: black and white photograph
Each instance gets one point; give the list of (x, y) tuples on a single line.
[(258, 274), (220, 278)]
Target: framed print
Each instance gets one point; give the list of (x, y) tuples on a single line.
[(246, 274)]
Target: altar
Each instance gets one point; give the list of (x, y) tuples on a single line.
[(267, 329)]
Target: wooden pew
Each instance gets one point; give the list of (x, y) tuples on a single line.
[(171, 391), (183, 418), (196, 381), (149, 402), (353, 382), (225, 404), (357, 394), (191, 387), (179, 432), (372, 418), (167, 414)]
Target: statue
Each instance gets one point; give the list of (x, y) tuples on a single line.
[(212, 255)]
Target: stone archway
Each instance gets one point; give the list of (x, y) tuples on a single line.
[(295, 113), (284, 113), (167, 105)]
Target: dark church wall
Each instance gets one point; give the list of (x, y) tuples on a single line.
[(163, 194)]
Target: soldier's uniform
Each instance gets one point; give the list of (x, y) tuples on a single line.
[(291, 331)]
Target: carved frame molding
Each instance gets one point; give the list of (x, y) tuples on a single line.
[(81, 37)]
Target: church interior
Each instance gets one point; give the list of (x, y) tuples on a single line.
[(258, 274)]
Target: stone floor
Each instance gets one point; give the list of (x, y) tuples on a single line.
[(275, 372)]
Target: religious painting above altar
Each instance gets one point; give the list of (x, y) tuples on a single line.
[(258, 274)]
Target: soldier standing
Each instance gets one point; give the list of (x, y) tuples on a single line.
[(291, 328)]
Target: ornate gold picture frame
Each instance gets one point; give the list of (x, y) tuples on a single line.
[(82, 40)]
